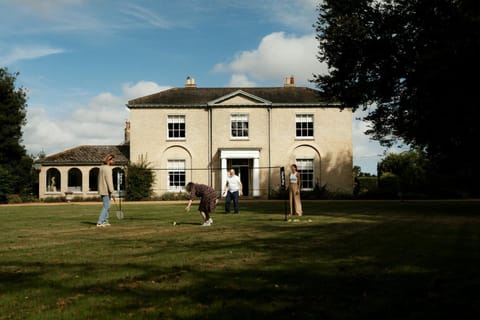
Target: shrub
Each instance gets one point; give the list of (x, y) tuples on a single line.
[(14, 198), (389, 184), (139, 180), (174, 196)]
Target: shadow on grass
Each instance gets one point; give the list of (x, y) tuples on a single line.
[(90, 223), (377, 267)]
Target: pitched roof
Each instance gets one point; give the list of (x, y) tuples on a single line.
[(196, 97), (84, 155)]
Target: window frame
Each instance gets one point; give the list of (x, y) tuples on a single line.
[(172, 117), (242, 129), (302, 168), (174, 168), (304, 116)]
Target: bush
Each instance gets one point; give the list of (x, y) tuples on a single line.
[(14, 198), (169, 196), (139, 181), (389, 185)]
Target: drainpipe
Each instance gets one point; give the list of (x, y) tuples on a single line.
[(269, 109), (210, 147)]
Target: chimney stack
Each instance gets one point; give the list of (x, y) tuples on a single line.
[(190, 83), (289, 82), (127, 133)]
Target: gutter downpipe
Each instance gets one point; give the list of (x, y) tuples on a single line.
[(269, 109)]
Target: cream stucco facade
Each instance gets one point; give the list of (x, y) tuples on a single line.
[(207, 145)]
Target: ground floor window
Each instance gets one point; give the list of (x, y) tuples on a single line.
[(74, 180), (118, 175), (176, 175), (305, 168), (93, 179), (53, 180)]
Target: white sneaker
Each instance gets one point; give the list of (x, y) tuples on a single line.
[(207, 223), (106, 224), (100, 225), (210, 221)]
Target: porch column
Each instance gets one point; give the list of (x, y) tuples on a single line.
[(256, 177), (224, 173)]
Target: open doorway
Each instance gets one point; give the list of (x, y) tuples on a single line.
[(242, 169)]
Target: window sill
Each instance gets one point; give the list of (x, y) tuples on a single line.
[(240, 138), (304, 138), (176, 139)]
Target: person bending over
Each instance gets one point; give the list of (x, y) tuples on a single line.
[(208, 200)]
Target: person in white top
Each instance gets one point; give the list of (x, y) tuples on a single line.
[(232, 190), (294, 191)]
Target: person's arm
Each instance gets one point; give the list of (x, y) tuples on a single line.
[(240, 192), (299, 182), (225, 189), (187, 208), (192, 194), (109, 180)]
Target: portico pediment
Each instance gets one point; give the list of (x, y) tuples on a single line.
[(239, 97)]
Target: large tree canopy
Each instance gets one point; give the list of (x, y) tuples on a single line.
[(415, 63), (15, 165)]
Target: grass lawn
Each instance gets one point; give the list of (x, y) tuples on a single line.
[(342, 260)]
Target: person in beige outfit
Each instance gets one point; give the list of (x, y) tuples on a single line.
[(105, 189), (294, 191)]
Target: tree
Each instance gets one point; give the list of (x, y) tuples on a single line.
[(411, 64), (15, 165), (410, 167)]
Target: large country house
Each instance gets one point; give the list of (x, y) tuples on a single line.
[(196, 134)]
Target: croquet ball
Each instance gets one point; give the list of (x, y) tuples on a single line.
[(174, 223)]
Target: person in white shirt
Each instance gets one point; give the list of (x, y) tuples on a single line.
[(232, 189)]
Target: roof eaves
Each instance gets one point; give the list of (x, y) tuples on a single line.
[(157, 106)]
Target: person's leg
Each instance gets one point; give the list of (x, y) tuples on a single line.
[(235, 201), (290, 198), (298, 206), (227, 202), (103, 218), (298, 203)]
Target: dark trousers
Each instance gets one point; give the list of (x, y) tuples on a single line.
[(231, 196)]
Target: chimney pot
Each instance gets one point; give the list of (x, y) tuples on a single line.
[(190, 83), (289, 82)]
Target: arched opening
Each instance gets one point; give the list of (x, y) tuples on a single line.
[(307, 159), (93, 180), (74, 180), (53, 180), (119, 179)]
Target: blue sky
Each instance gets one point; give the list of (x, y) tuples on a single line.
[(82, 60)]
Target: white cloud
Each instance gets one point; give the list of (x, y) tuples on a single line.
[(141, 88), (18, 53), (100, 121), (146, 15), (240, 80), (276, 57)]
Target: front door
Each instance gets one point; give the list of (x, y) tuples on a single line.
[(241, 167)]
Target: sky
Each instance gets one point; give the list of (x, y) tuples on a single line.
[(82, 60)]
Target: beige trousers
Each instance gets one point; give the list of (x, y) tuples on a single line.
[(294, 196)]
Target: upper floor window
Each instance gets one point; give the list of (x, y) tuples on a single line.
[(176, 175), (176, 127), (304, 125), (305, 168), (239, 125)]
